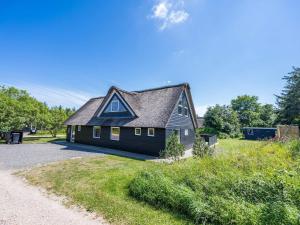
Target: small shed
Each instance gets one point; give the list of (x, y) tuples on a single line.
[(210, 139), (259, 133)]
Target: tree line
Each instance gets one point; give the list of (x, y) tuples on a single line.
[(246, 111), (19, 110)]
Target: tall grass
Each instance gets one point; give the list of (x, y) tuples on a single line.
[(254, 184)]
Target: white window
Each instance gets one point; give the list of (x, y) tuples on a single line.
[(186, 132), (138, 131), (115, 133), (151, 132), (96, 131), (79, 128), (115, 105), (180, 107), (186, 112)]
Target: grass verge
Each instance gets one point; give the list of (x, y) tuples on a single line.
[(247, 182), (45, 139), (101, 185)]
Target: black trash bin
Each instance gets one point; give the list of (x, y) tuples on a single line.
[(14, 137)]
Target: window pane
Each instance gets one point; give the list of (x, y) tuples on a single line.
[(186, 132), (150, 131), (97, 131), (115, 133), (186, 111), (115, 106), (180, 110), (137, 131)]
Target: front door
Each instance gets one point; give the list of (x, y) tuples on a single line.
[(72, 137)]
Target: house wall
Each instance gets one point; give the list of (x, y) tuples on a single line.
[(128, 140), (181, 122)]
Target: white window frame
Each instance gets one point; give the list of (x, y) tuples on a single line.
[(94, 129), (111, 105), (151, 135), (78, 128), (181, 106), (186, 132), (187, 111), (138, 134), (111, 136)]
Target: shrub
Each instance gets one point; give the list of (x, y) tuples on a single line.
[(173, 148), (200, 148), (279, 213), (255, 184), (294, 147)]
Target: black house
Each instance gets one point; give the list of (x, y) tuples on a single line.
[(259, 133), (136, 121)]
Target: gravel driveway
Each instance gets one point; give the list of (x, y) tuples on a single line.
[(28, 155), (22, 204)]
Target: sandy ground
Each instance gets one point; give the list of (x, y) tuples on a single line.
[(22, 204)]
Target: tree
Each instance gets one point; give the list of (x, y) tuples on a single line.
[(248, 110), (173, 149), (268, 115), (56, 120), (223, 120), (200, 148), (289, 100)]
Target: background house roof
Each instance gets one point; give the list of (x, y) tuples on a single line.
[(152, 108)]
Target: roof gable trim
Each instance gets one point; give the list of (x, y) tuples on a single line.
[(126, 105)]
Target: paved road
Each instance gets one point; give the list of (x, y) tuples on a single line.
[(28, 155)]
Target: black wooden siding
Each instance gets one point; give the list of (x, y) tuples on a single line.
[(128, 140), (181, 122)]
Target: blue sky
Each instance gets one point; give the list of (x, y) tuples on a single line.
[(65, 51)]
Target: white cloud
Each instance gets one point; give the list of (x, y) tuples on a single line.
[(169, 12), (161, 10), (201, 109), (54, 96)]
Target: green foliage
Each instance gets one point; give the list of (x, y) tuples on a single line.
[(200, 148), (248, 110), (173, 149), (289, 100), (255, 183), (18, 110), (223, 120), (268, 116)]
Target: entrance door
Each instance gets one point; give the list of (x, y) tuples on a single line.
[(72, 137), (177, 133)]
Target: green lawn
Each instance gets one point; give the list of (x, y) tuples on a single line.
[(42, 139), (234, 186)]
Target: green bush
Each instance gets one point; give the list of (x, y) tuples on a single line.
[(173, 149), (258, 184), (294, 147), (200, 148)]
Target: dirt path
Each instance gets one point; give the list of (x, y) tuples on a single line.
[(21, 204)]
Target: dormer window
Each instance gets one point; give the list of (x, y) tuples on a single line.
[(115, 106), (180, 107)]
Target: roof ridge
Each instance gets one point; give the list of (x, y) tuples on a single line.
[(96, 98), (163, 87)]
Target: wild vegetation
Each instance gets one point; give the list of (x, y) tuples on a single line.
[(19, 110), (254, 184), (245, 182)]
